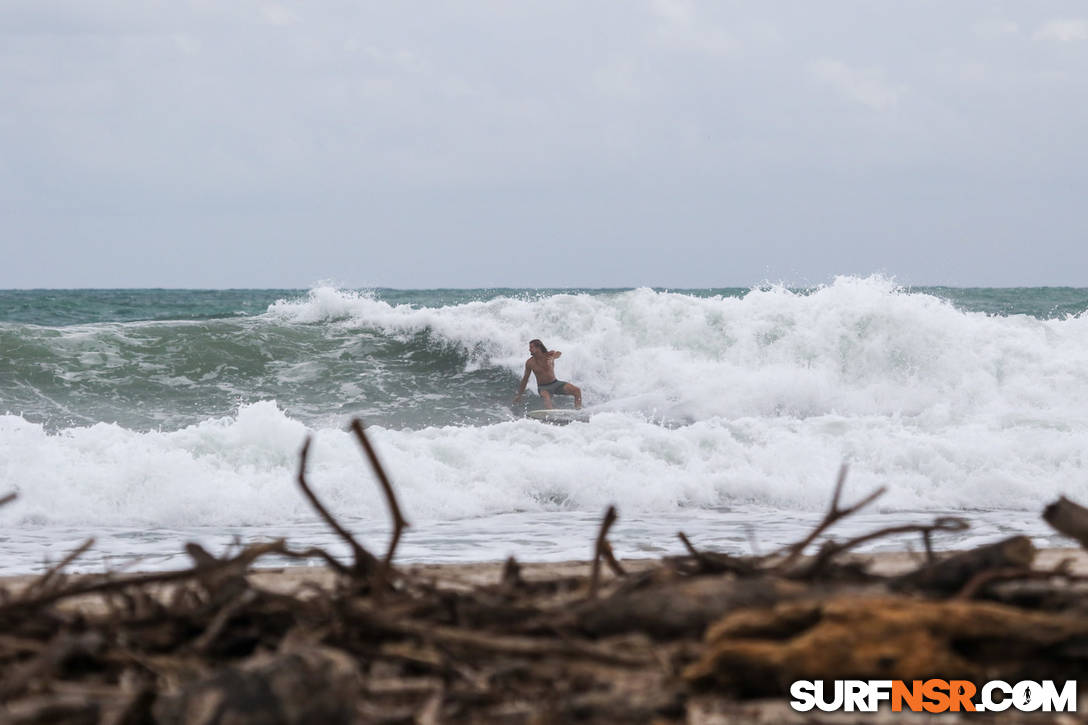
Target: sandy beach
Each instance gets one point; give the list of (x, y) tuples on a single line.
[(466, 576)]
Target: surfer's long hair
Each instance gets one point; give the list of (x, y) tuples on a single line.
[(538, 342)]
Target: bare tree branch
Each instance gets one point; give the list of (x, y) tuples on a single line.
[(834, 513), (365, 562), (42, 582), (602, 541), (399, 524)]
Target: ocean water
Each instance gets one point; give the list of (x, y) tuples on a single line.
[(146, 418)]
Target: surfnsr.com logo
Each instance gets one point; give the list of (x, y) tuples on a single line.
[(933, 695)]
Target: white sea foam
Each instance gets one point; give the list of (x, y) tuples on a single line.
[(855, 347), (241, 470), (702, 404)]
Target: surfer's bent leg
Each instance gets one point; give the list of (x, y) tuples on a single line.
[(547, 399), (574, 390)]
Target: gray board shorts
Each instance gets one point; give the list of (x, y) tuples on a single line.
[(555, 387)]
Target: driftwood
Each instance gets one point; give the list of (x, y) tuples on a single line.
[(365, 566), (834, 513), (758, 651), (603, 550), (669, 641), (1068, 518), (952, 574), (316, 685), (680, 608), (399, 524)]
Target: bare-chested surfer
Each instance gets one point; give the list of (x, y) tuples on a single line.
[(542, 364)]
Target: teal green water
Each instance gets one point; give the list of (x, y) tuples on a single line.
[(154, 359), (75, 307)]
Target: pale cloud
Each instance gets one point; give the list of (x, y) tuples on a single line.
[(619, 79), (400, 58), (187, 43), (278, 15), (677, 12), (996, 28), (1063, 31), (862, 85), (682, 28), (972, 71)]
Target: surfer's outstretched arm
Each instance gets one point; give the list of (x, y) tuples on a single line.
[(524, 382)]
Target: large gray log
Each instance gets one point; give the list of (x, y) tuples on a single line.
[(950, 575), (315, 685), (680, 608), (1068, 518)]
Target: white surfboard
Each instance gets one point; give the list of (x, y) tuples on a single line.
[(559, 415)]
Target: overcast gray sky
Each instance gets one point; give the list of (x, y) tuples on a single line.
[(462, 144)]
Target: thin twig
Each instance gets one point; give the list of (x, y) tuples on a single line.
[(100, 586), (399, 524), (928, 543), (984, 578), (700, 558), (511, 573), (602, 541), (689, 546), (831, 550), (204, 642), (833, 514), (610, 559), (978, 581), (364, 560), (517, 645), (40, 583), (715, 563)]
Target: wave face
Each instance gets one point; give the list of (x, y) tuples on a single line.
[(166, 408)]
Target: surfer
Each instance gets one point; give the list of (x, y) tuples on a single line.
[(542, 364)]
